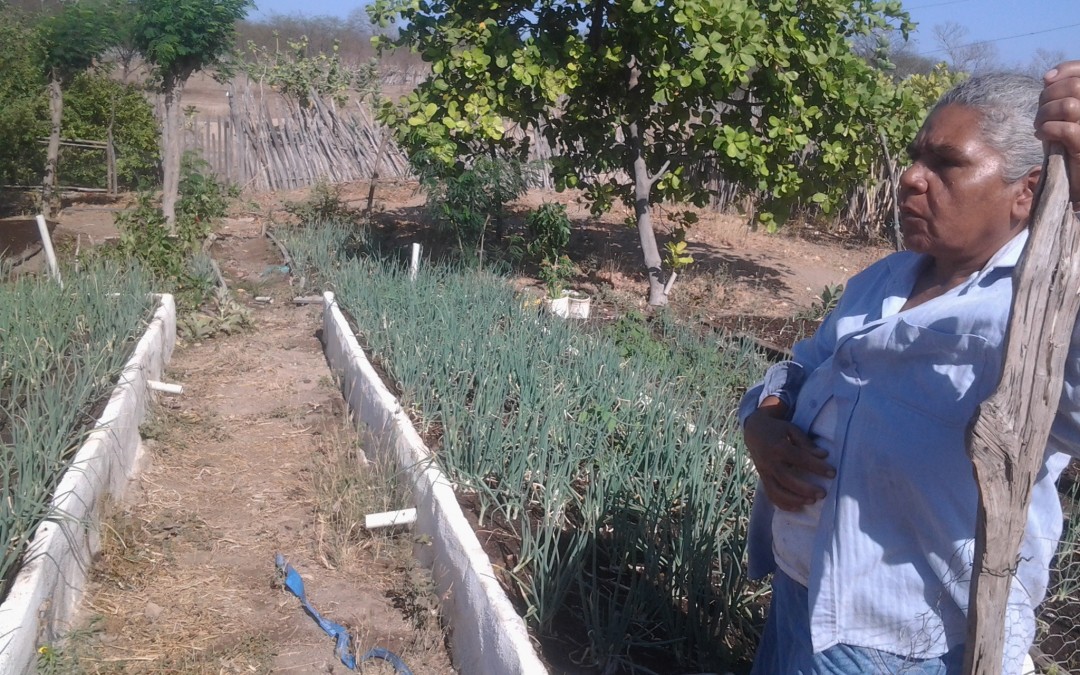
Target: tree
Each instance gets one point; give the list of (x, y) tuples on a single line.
[(641, 98), (22, 104), (178, 38), (963, 54), (74, 37)]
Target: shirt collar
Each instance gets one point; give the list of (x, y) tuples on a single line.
[(1006, 257)]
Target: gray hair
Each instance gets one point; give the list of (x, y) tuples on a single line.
[(1007, 103)]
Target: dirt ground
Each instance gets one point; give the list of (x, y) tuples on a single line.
[(240, 462)]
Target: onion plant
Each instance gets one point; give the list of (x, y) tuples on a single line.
[(60, 352), (621, 473)]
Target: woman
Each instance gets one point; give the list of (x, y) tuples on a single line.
[(866, 504)]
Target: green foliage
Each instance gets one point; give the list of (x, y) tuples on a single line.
[(61, 351), (181, 37), (91, 103), (549, 235), (826, 302), (465, 200), (145, 236), (23, 107), (75, 36), (549, 231), (224, 316), (298, 76), (555, 273), (623, 478), (745, 87), (322, 205), (203, 199)]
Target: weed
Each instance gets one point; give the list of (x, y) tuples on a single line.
[(826, 302), (225, 316), (323, 205), (347, 487)]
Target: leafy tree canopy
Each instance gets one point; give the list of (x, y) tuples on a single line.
[(181, 37), (75, 36), (642, 99), (23, 116), (745, 85)]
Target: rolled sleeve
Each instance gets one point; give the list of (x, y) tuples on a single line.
[(783, 380)]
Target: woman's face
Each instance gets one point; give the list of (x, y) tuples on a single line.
[(954, 202)]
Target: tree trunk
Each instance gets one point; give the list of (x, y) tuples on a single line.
[(52, 156), (1007, 438), (642, 189), (171, 133), (643, 184)]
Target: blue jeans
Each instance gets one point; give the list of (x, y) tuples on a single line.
[(786, 649)]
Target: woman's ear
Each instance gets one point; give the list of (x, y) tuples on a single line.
[(1025, 197)]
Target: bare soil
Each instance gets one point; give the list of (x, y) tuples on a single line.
[(186, 583)]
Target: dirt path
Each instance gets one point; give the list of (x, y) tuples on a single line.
[(254, 459)]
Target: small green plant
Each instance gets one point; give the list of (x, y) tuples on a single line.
[(556, 273), (323, 205), (226, 317), (173, 258), (826, 302), (549, 231), (203, 199)]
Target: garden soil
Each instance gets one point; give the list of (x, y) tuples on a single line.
[(186, 582)]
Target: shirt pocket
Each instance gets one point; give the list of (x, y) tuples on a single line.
[(939, 375)]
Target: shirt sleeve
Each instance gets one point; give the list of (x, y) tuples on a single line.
[(1065, 432), (785, 379)]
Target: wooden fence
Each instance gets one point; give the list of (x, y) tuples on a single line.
[(261, 147)]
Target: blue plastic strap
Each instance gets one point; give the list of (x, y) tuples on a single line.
[(291, 579)]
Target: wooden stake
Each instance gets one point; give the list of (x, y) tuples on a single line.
[(1008, 435)]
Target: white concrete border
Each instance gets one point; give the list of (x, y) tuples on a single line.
[(487, 635), (47, 589)]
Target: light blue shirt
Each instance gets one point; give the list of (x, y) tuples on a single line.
[(892, 553)]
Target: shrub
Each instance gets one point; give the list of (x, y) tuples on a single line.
[(145, 236), (467, 200), (323, 205), (91, 104)]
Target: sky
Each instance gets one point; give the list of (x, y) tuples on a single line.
[(1016, 27)]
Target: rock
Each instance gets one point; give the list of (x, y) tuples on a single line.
[(153, 611)]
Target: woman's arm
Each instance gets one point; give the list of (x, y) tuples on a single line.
[(782, 453)]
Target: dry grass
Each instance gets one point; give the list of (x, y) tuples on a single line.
[(347, 486)]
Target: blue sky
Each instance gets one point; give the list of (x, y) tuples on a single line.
[(1017, 27)]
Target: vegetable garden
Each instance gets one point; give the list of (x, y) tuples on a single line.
[(61, 349), (608, 459)]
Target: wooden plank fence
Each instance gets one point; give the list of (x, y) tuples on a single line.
[(298, 146)]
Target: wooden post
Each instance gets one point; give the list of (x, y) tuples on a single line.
[(1008, 434), (110, 162)]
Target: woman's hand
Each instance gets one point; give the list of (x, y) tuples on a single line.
[(784, 455), (1058, 119)]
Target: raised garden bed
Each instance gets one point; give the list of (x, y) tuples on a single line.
[(43, 593)]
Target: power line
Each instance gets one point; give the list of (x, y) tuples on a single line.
[(1007, 37), (937, 4)]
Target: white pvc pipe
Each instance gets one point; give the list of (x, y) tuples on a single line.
[(414, 264), (374, 521), (50, 254), (164, 387)]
